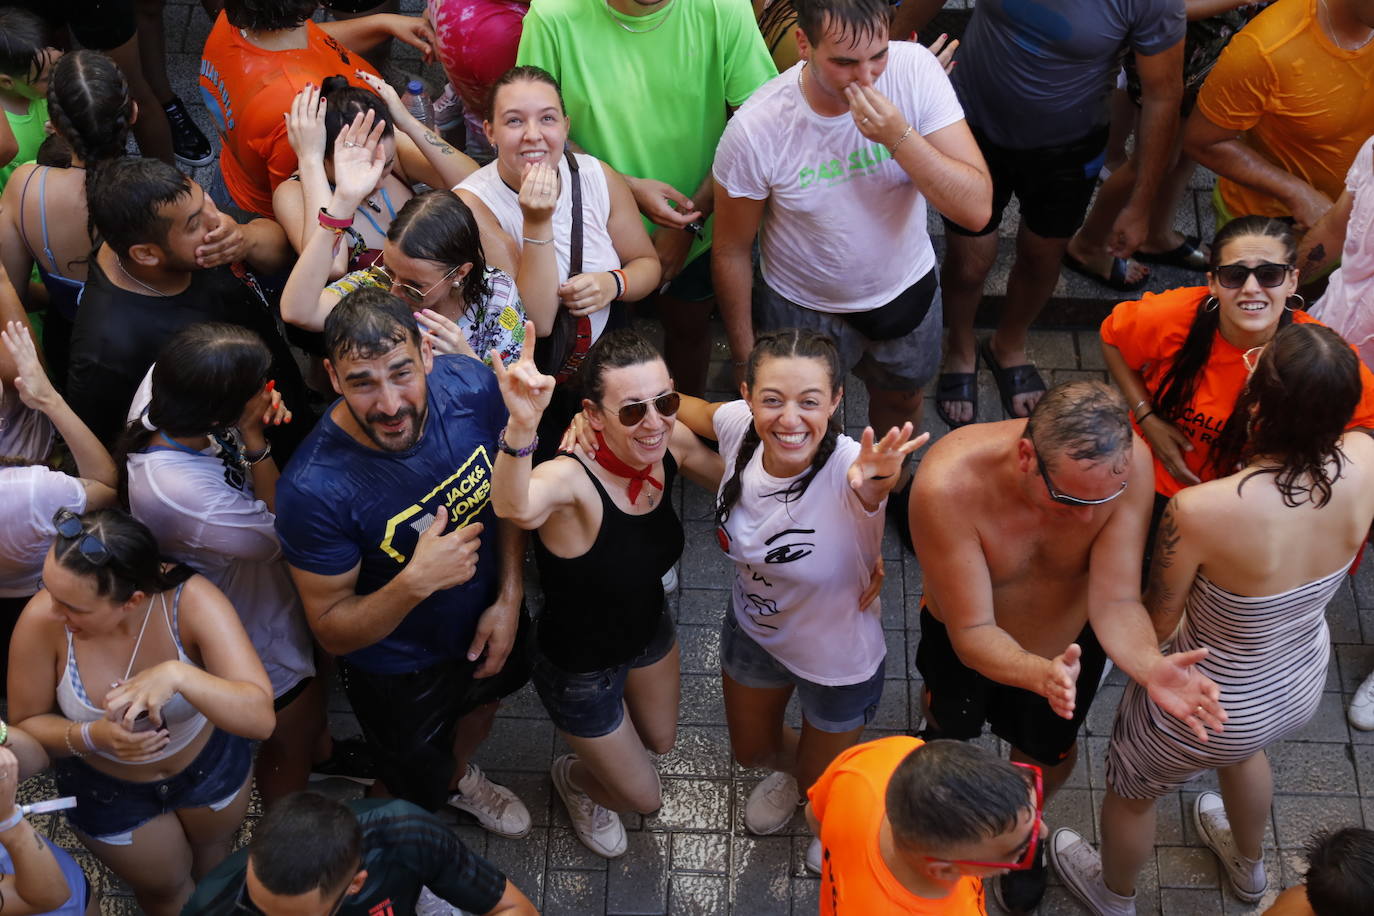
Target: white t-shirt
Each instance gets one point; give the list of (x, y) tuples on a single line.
[(29, 498), (800, 565), (25, 434), (844, 229), (1345, 306), (227, 535)]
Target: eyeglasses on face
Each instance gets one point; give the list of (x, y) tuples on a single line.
[(69, 527), (1065, 499), (405, 290), (633, 414), (1027, 858), (1233, 276)]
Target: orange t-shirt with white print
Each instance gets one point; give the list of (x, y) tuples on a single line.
[(248, 90), (1150, 332), (849, 800)]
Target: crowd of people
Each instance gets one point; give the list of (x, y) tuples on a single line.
[(306, 423)]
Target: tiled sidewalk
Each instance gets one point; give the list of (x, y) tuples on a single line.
[(695, 857)]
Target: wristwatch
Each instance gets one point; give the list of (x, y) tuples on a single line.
[(695, 227)]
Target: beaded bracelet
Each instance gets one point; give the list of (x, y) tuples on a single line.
[(619, 276), (516, 452), (4, 732), (12, 820), (72, 747)]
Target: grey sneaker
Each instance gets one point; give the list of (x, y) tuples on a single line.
[(1080, 868), (771, 804), (496, 808), (1361, 712), (599, 829), (813, 856), (1246, 876)]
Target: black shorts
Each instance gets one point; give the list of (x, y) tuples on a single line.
[(961, 699), (1054, 184), (408, 719), (101, 25)]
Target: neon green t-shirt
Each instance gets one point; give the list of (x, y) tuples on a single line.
[(648, 94), (30, 133)]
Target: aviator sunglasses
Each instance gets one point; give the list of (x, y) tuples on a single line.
[(665, 404), (68, 525), (1233, 276)]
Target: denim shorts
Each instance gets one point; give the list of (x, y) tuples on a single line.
[(826, 708), (591, 704), (109, 809)]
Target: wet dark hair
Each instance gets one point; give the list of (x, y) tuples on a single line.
[(615, 350), (343, 102), (91, 109), (309, 842), (367, 323), (203, 378), (437, 226), (125, 199), (54, 152), (1179, 384), (854, 19), (525, 74), (1084, 420), (23, 39), (949, 793), (135, 563), (1340, 872), (1302, 395), (268, 15), (789, 343)]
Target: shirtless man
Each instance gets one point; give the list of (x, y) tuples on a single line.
[(1030, 535)]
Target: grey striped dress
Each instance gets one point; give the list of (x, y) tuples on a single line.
[(1269, 657)]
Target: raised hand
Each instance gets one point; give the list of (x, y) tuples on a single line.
[(875, 116), (943, 49), (444, 560), (387, 93), (1178, 688), (1060, 686), (359, 159), (35, 390), (444, 335), (878, 466), (539, 194), (262, 410), (305, 125), (525, 389), (414, 31)]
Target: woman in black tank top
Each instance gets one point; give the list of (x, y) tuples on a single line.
[(606, 657)]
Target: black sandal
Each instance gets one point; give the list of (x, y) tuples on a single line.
[(1011, 380), (957, 386)]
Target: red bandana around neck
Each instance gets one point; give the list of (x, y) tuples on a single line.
[(608, 460)]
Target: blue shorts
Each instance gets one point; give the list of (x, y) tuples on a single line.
[(591, 704), (839, 708), (109, 809)]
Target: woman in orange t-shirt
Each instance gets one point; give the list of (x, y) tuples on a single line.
[(1180, 356)]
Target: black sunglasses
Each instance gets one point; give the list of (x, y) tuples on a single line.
[(1233, 276), (665, 404), (1065, 499), (69, 526)]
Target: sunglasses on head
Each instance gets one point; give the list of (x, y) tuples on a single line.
[(1233, 276), (408, 292), (665, 404), (69, 526), (1027, 858), (1065, 499)]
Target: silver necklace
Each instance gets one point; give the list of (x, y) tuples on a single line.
[(653, 28), (124, 270)]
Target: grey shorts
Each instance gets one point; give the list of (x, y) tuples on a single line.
[(903, 364)]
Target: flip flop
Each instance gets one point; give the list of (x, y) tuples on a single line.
[(1116, 279), (1011, 380), (957, 386), (1187, 256)]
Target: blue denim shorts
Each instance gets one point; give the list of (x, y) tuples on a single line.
[(109, 809), (591, 704), (839, 708)]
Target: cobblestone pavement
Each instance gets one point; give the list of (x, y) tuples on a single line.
[(694, 856)]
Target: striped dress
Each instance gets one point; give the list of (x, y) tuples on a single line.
[(1269, 657)]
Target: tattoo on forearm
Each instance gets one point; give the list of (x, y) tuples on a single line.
[(1317, 254), (1166, 552), (434, 140)]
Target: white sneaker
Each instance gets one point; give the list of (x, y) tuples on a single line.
[(813, 856), (599, 829), (1080, 868), (670, 584), (496, 808), (1246, 876), (771, 804), (1361, 712)]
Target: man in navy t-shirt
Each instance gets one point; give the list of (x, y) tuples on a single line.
[(406, 574)]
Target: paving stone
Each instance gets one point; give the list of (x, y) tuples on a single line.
[(1297, 817), (534, 788), (704, 568), (524, 861), (693, 804), (702, 606), (1328, 724), (637, 882), (699, 751), (699, 895), (761, 872), (1186, 866), (701, 852), (806, 896), (1342, 617), (575, 893), (1175, 901), (1072, 808), (517, 744), (566, 851), (700, 649), (1090, 351), (702, 702), (1312, 767)]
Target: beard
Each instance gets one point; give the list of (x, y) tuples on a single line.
[(393, 442)]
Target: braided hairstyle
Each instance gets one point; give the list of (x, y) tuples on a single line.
[(1179, 384), (788, 343), (90, 108), (1308, 365)]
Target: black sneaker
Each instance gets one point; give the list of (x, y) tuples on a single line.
[(1019, 892), (352, 759), (190, 145)]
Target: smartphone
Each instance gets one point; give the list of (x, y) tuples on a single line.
[(143, 723)]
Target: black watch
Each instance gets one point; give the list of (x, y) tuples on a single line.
[(695, 227)]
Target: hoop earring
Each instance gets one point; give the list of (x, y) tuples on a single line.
[(1215, 303), (1302, 303)]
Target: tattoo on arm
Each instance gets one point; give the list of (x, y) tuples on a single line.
[(439, 142), (1166, 551), (1317, 254)]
